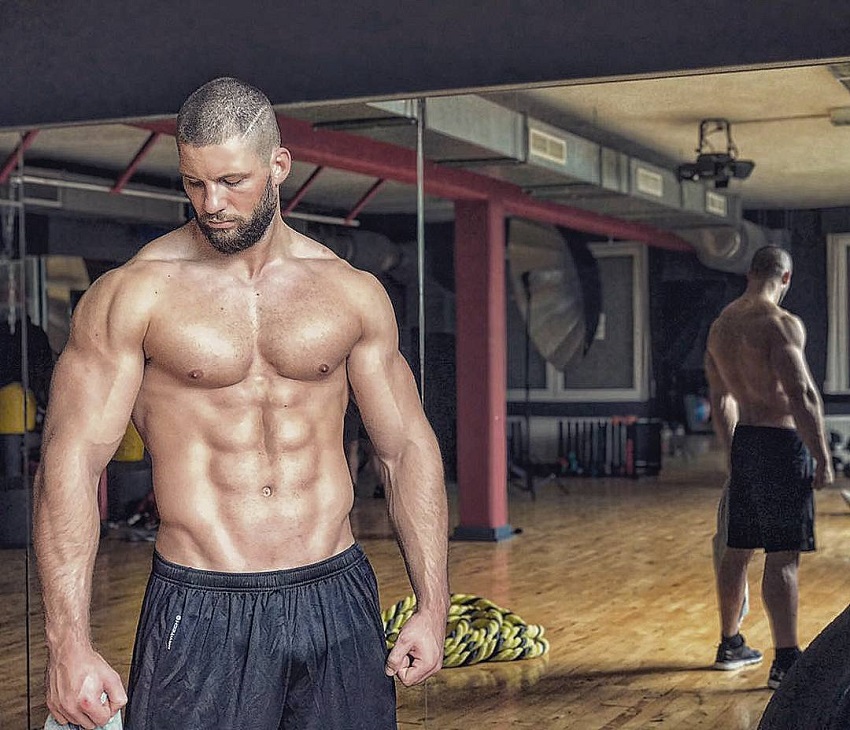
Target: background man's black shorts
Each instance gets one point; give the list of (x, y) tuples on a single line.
[(771, 504)]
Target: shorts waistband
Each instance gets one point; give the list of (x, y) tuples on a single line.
[(262, 580), (775, 430)]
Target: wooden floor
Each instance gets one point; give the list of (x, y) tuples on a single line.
[(619, 573)]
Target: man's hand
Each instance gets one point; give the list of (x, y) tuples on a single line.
[(824, 475), (418, 651), (76, 682)]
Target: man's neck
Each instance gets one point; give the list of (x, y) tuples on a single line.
[(251, 262), (765, 291)]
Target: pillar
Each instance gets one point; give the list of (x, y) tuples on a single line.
[(481, 371)]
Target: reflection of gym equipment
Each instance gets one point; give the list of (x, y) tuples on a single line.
[(556, 287), (553, 295), (616, 446), (17, 439), (129, 480)]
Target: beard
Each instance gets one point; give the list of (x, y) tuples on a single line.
[(247, 231)]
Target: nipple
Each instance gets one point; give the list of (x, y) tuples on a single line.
[(196, 374), (323, 368), (267, 491)]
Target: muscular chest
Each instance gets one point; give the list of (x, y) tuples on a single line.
[(222, 334)]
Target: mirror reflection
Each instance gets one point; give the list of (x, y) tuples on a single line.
[(630, 219)]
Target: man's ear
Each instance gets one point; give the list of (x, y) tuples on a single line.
[(786, 278), (281, 165)]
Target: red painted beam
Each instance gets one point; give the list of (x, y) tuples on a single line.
[(134, 164), (12, 159), (302, 191), (360, 204), (354, 153)]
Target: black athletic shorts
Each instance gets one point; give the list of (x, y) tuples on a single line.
[(771, 504), (299, 649)]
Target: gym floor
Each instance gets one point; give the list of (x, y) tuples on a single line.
[(618, 572)]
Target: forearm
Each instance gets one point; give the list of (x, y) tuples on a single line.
[(724, 417), (416, 498), (66, 531), (807, 409)]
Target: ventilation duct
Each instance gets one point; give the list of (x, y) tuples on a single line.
[(365, 250), (728, 249), (557, 165)]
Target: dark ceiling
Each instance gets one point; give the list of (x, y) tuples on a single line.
[(98, 60)]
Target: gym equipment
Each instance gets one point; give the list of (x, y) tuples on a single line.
[(816, 691), (13, 408), (553, 297), (131, 448), (127, 484), (477, 631), (611, 446)]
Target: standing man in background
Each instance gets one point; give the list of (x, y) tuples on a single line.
[(234, 342), (769, 416)]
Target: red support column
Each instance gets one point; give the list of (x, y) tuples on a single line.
[(481, 335)]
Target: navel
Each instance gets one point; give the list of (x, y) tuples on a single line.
[(267, 491)]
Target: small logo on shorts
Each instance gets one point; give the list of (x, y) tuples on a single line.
[(177, 620)]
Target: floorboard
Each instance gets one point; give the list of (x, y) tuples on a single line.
[(617, 571)]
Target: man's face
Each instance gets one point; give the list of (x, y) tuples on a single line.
[(231, 191)]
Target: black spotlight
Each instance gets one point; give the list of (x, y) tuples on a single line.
[(719, 167)]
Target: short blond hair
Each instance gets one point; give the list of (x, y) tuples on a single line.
[(225, 108)]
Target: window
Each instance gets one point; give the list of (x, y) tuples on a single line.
[(837, 353)]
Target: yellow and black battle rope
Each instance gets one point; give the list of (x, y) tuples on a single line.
[(477, 631)]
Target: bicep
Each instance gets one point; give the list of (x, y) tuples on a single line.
[(96, 380), (387, 397), (383, 384), (92, 396)]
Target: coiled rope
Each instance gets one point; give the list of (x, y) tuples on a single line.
[(477, 631)]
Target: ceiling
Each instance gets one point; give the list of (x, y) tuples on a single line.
[(780, 119)]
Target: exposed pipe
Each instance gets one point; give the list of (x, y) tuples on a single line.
[(354, 153), (25, 142), (420, 236), (154, 195)]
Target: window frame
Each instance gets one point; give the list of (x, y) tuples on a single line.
[(837, 381)]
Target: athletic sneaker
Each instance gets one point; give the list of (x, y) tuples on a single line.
[(776, 676), (742, 656), (779, 670)]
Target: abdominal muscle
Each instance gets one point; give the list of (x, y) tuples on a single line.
[(243, 484)]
